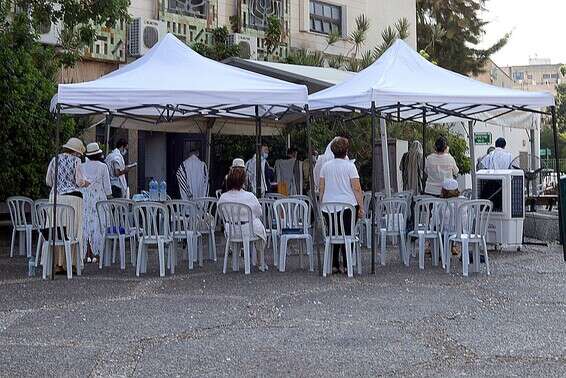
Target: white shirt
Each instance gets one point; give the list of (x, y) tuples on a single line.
[(246, 198), (96, 172), (337, 175), (498, 159), (115, 160), (438, 168)]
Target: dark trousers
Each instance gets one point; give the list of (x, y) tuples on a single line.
[(117, 192), (340, 249)]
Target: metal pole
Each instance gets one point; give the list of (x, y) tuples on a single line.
[(557, 162), (258, 181), (472, 143), (107, 123), (385, 157), (311, 188), (424, 140), (373, 187), (53, 231), (398, 112)]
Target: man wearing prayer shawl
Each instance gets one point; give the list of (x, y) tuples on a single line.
[(192, 176)]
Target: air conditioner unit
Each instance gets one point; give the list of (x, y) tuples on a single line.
[(50, 33), (143, 34), (247, 43), (505, 188)]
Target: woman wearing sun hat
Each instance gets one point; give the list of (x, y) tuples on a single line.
[(96, 172), (70, 179)]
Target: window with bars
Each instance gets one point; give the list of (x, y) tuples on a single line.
[(259, 12), (194, 8), (325, 18)]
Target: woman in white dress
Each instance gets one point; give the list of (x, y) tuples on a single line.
[(96, 172), (235, 182)]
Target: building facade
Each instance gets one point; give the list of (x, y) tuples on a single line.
[(538, 75)]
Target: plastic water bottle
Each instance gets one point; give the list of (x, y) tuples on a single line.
[(153, 190), (31, 267), (163, 191)]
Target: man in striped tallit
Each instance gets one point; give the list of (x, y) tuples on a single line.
[(192, 177)]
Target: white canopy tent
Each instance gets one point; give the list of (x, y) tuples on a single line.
[(402, 85), (172, 82)]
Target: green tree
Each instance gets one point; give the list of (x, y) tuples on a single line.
[(273, 35), (449, 31), (219, 49), (28, 76)]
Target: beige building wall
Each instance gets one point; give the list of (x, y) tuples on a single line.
[(536, 77)]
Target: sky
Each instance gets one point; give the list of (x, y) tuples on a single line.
[(537, 26)]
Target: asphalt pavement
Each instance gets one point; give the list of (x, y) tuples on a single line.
[(400, 321)]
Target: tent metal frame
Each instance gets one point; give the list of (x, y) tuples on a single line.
[(439, 112)]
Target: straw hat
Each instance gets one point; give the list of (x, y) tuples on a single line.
[(238, 163), (92, 149), (75, 144)]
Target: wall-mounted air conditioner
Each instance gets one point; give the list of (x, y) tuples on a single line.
[(143, 34), (50, 33), (247, 43)]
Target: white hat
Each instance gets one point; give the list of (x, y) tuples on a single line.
[(93, 149), (238, 163), (450, 184), (75, 144)]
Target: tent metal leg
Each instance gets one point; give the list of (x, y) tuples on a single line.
[(472, 143), (55, 180), (107, 123), (373, 186), (311, 188), (385, 157), (557, 169), (258, 164), (424, 140)]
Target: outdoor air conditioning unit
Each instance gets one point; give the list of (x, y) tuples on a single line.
[(50, 33), (505, 188), (247, 43), (143, 34)]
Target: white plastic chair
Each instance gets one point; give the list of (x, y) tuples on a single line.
[(40, 238), (65, 236), (152, 219), (183, 219), (207, 226), (365, 222), (449, 226), (114, 217), (472, 219), (428, 226), (238, 227), (218, 193), (22, 216), (293, 222), (391, 216), (268, 220), (333, 232)]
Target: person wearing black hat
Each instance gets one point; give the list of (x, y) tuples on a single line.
[(499, 158)]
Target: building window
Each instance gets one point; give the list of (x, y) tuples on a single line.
[(260, 10), (554, 76), (194, 8), (325, 18), (518, 76)]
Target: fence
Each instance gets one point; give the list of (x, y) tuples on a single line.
[(551, 164)]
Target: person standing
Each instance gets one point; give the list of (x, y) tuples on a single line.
[(288, 173), (96, 172), (192, 176), (340, 182), (499, 158), (412, 168), (117, 168), (69, 181), (439, 166), (266, 171)]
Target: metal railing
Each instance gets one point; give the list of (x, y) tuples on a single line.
[(551, 164)]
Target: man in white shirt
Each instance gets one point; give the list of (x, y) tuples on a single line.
[(117, 169), (265, 171), (499, 158), (192, 177)]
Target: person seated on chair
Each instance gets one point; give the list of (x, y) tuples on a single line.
[(236, 194), (340, 182)]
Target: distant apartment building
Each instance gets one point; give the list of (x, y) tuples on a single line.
[(538, 75)]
